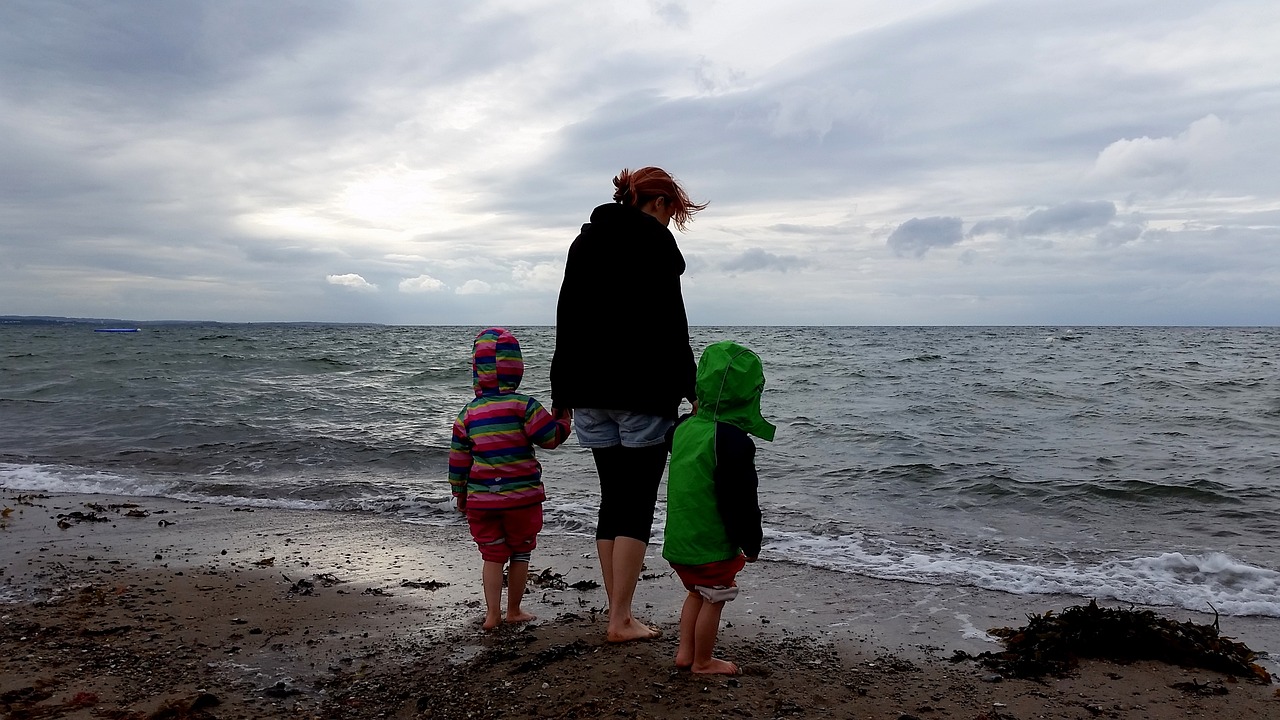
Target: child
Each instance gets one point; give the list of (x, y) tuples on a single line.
[(713, 514), (493, 472)]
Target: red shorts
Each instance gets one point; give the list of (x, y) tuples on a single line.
[(506, 534), (717, 575)]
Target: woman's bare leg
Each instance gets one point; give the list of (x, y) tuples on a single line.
[(629, 479), (621, 560)]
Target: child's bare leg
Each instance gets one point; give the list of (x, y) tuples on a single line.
[(492, 577), (704, 642), (688, 626), (517, 576)]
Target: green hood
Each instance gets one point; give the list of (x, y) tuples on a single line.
[(730, 381)]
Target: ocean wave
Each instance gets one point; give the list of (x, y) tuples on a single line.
[(291, 493), (1200, 582), (37, 478), (1134, 490), (1203, 583), (913, 472)]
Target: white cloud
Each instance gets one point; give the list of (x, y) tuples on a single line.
[(474, 287), (353, 281), (1146, 157), (543, 276), (421, 284)]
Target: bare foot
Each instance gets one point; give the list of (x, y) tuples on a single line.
[(632, 629), (520, 616), (491, 621), (683, 660), (716, 667)]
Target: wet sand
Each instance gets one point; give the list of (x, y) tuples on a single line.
[(174, 609)]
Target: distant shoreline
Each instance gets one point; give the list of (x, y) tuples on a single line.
[(22, 320)]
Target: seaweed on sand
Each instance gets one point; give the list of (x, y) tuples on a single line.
[(1052, 644)]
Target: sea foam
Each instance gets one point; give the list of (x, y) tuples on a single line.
[(1203, 583)]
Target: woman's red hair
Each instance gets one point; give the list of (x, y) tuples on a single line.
[(641, 186)]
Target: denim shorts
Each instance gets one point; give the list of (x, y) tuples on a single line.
[(598, 428)]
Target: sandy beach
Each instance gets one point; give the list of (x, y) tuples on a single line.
[(151, 608)]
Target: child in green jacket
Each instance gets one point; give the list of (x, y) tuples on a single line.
[(713, 513)]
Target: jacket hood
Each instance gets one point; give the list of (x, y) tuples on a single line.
[(730, 382), (615, 213), (496, 363), (629, 227)]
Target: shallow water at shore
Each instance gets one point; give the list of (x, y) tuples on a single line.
[(1004, 459), (437, 568), (265, 613)]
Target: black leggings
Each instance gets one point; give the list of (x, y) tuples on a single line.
[(629, 479)]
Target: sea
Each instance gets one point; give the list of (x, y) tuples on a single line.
[(1132, 464)]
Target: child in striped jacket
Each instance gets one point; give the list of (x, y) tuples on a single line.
[(494, 474)]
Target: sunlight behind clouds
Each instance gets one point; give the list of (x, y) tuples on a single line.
[(395, 198), (291, 222)]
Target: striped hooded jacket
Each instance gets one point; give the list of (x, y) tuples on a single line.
[(491, 460)]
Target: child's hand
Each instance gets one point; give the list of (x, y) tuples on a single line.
[(562, 413), (751, 559)]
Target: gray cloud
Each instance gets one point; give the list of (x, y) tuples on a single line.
[(918, 236), (794, 229), (754, 259), (673, 13), (995, 226), (1113, 235), (1069, 216), (711, 78)]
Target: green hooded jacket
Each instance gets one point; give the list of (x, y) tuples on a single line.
[(712, 508)]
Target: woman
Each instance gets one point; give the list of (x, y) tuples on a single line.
[(623, 363)]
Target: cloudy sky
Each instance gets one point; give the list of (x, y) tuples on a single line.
[(866, 162)]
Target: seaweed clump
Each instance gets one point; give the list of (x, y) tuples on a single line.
[(1052, 644)]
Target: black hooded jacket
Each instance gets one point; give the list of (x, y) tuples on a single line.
[(622, 336)]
